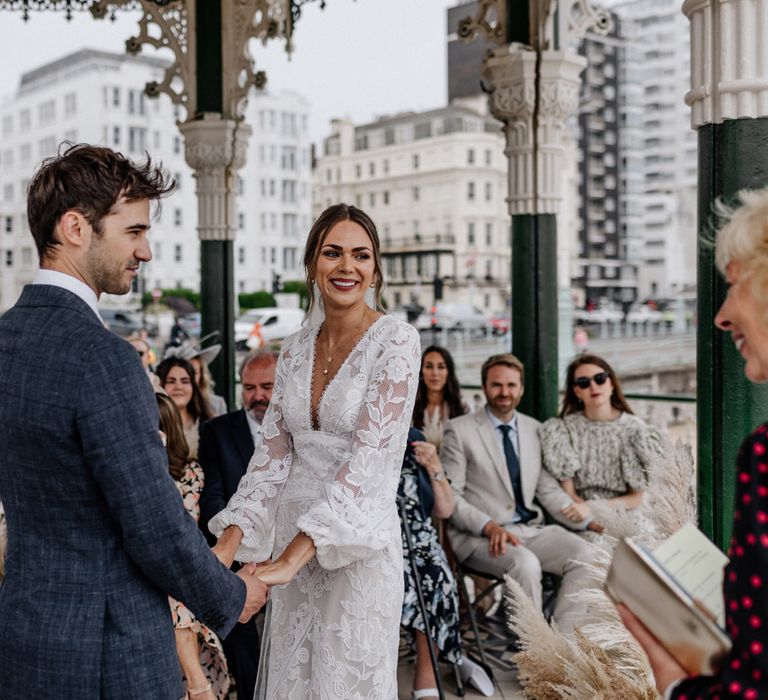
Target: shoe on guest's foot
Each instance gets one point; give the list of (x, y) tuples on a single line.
[(424, 693), (474, 674)]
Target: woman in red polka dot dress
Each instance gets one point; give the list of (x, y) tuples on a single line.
[(742, 256)]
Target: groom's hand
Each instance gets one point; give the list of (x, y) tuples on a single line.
[(256, 592)]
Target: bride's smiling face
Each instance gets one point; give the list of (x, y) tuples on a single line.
[(346, 266)]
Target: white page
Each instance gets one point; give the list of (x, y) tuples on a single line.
[(697, 565)]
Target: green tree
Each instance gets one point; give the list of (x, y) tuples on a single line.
[(255, 300)]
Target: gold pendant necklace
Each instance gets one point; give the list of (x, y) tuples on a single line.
[(327, 368)]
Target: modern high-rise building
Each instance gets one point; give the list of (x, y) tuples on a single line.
[(435, 184), (658, 149), (602, 269), (97, 97)]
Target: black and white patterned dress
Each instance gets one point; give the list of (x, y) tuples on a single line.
[(437, 582)]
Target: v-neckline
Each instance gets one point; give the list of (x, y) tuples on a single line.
[(314, 410)]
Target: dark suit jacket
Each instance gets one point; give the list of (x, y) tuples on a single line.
[(97, 534), (226, 447)]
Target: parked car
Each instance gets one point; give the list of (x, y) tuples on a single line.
[(500, 323), (453, 316), (259, 326), (122, 322), (192, 324)]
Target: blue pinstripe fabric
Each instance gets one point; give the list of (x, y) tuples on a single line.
[(97, 533)]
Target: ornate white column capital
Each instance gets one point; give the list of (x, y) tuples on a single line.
[(729, 60), (534, 126), (215, 148)]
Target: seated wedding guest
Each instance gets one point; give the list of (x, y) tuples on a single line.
[(200, 357), (227, 444), (597, 448), (493, 458), (425, 492), (742, 256), (438, 398), (199, 650), (178, 381)]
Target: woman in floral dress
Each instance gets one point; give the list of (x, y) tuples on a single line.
[(200, 652)]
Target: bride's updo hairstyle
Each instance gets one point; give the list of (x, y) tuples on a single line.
[(319, 232)]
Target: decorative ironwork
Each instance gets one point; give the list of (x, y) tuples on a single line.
[(68, 7), (490, 20)]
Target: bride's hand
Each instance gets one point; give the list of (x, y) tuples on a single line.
[(252, 567), (274, 574)]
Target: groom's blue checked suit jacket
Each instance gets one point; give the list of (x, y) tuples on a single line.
[(98, 535)]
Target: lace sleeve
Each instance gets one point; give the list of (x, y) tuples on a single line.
[(356, 514), (253, 506), (557, 449)]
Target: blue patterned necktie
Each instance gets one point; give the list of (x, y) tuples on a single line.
[(513, 464)]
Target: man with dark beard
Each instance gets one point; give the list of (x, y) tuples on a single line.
[(227, 444)]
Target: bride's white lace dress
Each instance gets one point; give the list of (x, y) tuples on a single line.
[(332, 633)]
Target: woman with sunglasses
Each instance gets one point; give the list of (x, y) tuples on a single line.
[(597, 448)]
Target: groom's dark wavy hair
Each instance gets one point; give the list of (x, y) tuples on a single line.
[(90, 180), (318, 233)]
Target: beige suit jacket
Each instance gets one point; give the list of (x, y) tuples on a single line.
[(474, 461)]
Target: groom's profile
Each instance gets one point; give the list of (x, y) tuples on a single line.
[(97, 533)]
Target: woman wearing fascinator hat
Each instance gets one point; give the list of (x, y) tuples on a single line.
[(319, 495), (200, 357)]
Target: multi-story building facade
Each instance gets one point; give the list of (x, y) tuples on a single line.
[(602, 270), (97, 97), (435, 184), (658, 150)]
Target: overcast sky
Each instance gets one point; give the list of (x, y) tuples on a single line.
[(356, 58)]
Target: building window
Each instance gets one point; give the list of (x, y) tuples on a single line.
[(177, 145), (386, 166), (46, 112), (25, 120), (471, 233), (241, 255), (470, 190), (358, 171), (358, 201), (488, 156), (115, 135), (488, 191), (7, 125), (115, 96), (137, 141), (8, 224), (371, 168), (9, 258), (70, 104), (273, 255), (135, 102), (489, 234), (415, 194), (471, 156), (47, 147), (157, 249), (177, 217), (415, 161), (241, 221), (8, 193), (177, 250), (371, 199), (385, 196)]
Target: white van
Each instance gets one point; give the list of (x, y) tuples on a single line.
[(259, 326)]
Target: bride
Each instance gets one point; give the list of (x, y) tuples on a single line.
[(319, 495)]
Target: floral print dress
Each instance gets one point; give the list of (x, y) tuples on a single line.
[(437, 582), (212, 659)]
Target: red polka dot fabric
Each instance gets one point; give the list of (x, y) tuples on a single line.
[(744, 673)]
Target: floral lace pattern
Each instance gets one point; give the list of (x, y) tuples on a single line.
[(333, 631)]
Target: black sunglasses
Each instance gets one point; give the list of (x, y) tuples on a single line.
[(141, 352), (583, 382)]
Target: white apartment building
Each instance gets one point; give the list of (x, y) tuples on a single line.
[(97, 97), (435, 184), (658, 146)]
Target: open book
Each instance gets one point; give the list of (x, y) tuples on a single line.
[(676, 592)]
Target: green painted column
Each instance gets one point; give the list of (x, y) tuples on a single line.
[(216, 256), (534, 310), (733, 155)]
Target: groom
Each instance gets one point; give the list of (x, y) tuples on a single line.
[(98, 537)]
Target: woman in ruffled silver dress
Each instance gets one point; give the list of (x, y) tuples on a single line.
[(597, 448)]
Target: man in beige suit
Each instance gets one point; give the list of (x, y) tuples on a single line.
[(493, 458)]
